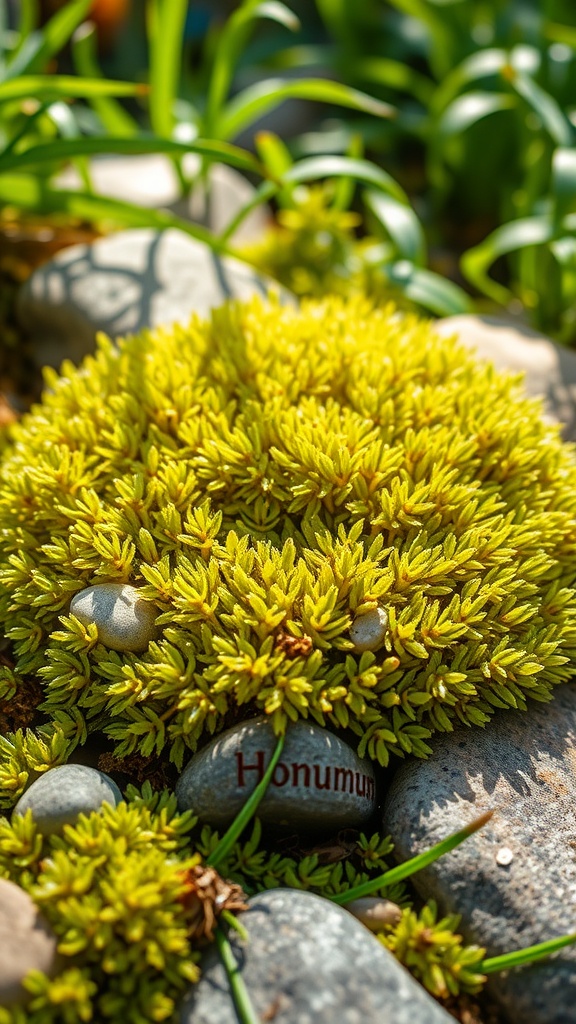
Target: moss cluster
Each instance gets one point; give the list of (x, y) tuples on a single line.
[(274, 473)]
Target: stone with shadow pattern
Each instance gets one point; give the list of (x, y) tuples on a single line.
[(307, 961), (514, 881), (124, 283), (319, 782)]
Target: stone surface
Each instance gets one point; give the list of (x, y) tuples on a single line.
[(318, 783), (550, 369), (61, 794), (27, 943), (374, 912), (367, 632), (125, 621), (307, 961), (514, 882), (124, 283), (150, 180)]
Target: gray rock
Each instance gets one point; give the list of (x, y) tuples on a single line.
[(125, 621), (26, 940), (124, 283), (61, 794), (511, 345), (150, 180), (514, 882), (307, 961), (318, 783)]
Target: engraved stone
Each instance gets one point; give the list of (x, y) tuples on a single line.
[(26, 940), (125, 621), (318, 783), (61, 794)]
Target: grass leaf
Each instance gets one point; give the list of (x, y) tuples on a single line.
[(400, 224), (429, 290), (166, 23), (518, 234), (242, 1003), (42, 45), (114, 118), (525, 956)]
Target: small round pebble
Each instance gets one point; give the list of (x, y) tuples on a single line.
[(367, 632), (61, 794), (504, 857), (375, 912), (125, 621), (26, 941)]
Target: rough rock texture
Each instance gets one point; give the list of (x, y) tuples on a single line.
[(61, 794), (511, 345), (514, 882), (27, 943), (123, 283), (125, 621), (150, 180), (318, 783), (308, 961)]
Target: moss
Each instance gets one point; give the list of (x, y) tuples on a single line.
[(263, 479)]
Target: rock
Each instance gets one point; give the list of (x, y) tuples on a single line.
[(514, 882), (318, 783), (150, 180), (511, 345), (367, 632), (374, 912), (26, 940), (125, 621), (307, 961), (124, 283), (61, 794)]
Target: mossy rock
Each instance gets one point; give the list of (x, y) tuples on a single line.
[(263, 480)]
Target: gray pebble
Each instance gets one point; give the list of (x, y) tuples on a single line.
[(27, 943), (307, 961), (318, 783), (513, 882), (125, 621), (61, 794)]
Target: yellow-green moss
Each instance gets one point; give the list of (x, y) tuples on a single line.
[(277, 471)]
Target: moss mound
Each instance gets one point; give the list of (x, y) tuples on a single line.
[(265, 478)]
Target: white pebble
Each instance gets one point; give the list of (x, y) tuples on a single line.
[(374, 912), (125, 621), (367, 632), (504, 857)]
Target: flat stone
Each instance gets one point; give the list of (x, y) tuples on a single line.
[(150, 180), (127, 282), (26, 940), (513, 882), (550, 369), (125, 621), (61, 794), (318, 783), (307, 961)]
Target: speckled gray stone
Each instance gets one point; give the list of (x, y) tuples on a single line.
[(61, 794), (318, 783), (523, 764), (307, 961), (126, 282), (549, 368), (125, 621), (27, 943)]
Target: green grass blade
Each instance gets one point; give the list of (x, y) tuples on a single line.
[(470, 108), (396, 75), (480, 65), (65, 149), (429, 290), (261, 195), (346, 185), (525, 956), (29, 18), (115, 120), (518, 234), (247, 812), (242, 1002), (400, 224), (563, 183), (545, 106), (258, 99), (65, 87), (233, 39), (166, 22), (410, 867), (43, 44), (314, 168)]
